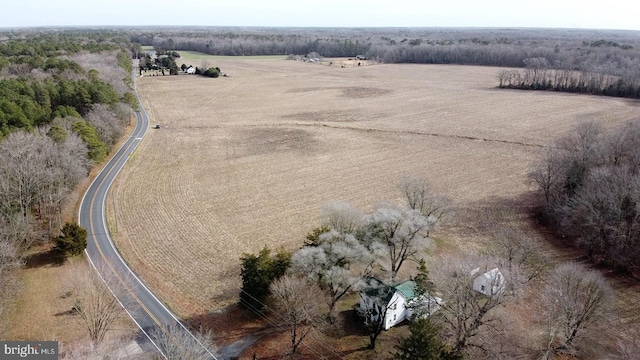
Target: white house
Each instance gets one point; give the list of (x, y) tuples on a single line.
[(397, 302), (490, 283), (190, 70)]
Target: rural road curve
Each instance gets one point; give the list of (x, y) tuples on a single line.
[(145, 309)]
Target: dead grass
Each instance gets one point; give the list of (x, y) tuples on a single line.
[(245, 161), (43, 307), (345, 339)]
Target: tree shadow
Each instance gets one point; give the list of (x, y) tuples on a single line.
[(351, 324), (44, 258), (71, 312)]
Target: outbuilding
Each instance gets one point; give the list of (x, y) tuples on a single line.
[(491, 283)]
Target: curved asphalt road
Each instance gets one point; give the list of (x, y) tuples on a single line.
[(138, 301)]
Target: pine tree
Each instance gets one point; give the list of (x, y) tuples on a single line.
[(258, 272), (424, 344), (72, 241)]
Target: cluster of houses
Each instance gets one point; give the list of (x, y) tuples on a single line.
[(399, 302)]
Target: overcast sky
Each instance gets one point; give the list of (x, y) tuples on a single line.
[(586, 14)]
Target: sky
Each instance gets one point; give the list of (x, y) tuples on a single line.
[(582, 14)]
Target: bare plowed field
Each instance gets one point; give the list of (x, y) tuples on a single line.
[(246, 161)]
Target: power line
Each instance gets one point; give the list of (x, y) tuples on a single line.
[(311, 335)]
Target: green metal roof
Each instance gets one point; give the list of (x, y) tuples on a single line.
[(380, 290), (407, 289)]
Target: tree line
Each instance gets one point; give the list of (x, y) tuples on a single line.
[(610, 79), (589, 182), (573, 49), (59, 115), (553, 59)]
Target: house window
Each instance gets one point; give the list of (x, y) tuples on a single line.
[(482, 288), (394, 317)]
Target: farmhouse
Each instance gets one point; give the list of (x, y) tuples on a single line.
[(397, 302), (190, 70), (490, 283)]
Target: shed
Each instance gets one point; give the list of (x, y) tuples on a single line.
[(490, 283)]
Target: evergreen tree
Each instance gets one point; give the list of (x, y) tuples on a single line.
[(72, 241), (424, 344), (258, 272)]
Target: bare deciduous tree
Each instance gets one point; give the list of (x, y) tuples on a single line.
[(296, 306), (109, 126), (420, 197), (26, 172), (106, 64), (549, 174), (36, 173), (627, 350), (604, 214), (514, 248), (342, 217), (631, 144), (576, 299), (397, 235), (95, 302), (336, 264), (176, 342), (585, 142), (467, 313)]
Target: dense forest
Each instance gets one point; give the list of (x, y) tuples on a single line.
[(65, 99)]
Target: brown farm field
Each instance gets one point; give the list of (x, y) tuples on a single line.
[(247, 160)]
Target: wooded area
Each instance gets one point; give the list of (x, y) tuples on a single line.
[(590, 186), (65, 100)]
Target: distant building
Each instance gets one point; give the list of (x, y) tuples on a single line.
[(190, 70)]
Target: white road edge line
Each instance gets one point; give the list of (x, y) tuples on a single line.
[(143, 111)]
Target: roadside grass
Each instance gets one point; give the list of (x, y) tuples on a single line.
[(39, 312), (43, 306)]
